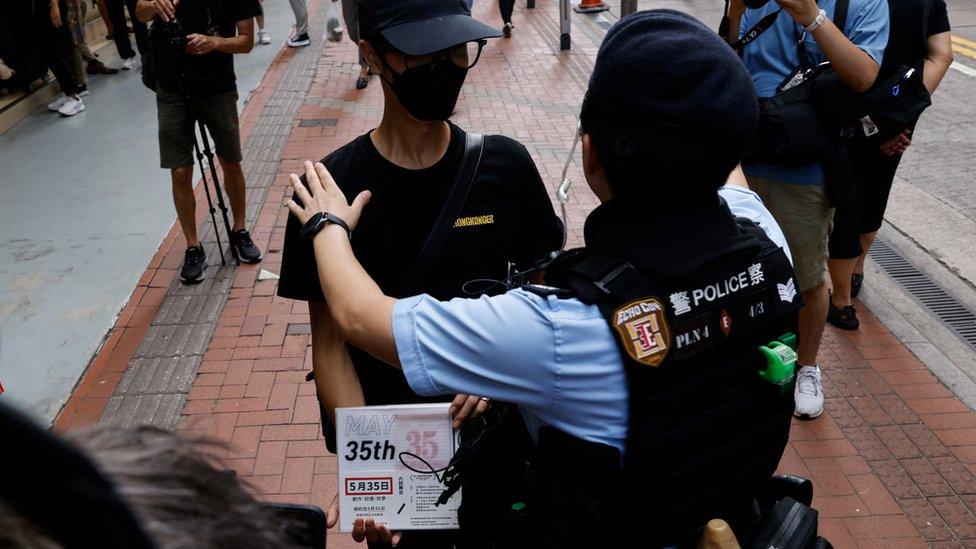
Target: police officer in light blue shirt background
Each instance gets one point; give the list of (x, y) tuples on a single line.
[(687, 275)]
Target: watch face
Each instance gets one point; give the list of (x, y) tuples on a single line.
[(313, 224)]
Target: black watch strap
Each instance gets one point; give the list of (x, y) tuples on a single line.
[(318, 222)]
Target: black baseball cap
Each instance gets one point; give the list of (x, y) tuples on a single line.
[(421, 27)]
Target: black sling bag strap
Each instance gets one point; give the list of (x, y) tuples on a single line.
[(474, 145), (756, 30)]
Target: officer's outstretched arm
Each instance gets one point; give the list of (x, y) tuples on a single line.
[(362, 314)]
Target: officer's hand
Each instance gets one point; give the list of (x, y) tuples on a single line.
[(325, 196), (165, 9), (369, 531), (465, 407), (802, 11)]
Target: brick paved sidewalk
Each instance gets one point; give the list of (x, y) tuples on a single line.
[(893, 458)]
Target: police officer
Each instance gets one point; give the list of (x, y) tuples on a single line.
[(640, 412)]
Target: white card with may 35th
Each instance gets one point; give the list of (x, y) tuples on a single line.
[(391, 461)]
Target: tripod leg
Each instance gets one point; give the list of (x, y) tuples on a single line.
[(206, 190), (220, 195)]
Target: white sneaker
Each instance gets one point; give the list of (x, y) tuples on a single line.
[(85, 93), (808, 393), (264, 37), (129, 64), (72, 107), (56, 105)]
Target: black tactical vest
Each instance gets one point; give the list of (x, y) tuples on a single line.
[(705, 430)]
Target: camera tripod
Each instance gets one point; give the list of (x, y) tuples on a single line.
[(202, 152)]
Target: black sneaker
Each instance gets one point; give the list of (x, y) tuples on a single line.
[(856, 281), (844, 318), (193, 264), (298, 41), (247, 252)]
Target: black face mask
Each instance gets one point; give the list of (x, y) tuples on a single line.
[(430, 91)]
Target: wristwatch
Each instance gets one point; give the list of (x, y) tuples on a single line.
[(817, 23), (318, 222)]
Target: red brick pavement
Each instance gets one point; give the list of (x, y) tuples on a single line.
[(892, 459)]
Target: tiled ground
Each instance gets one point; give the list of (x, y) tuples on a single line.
[(893, 458)]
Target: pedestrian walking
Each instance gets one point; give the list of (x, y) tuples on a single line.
[(300, 36), (116, 10), (506, 7), (264, 37), (920, 39)]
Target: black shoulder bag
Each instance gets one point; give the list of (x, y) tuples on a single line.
[(792, 130), (893, 105), (796, 126), (474, 145)]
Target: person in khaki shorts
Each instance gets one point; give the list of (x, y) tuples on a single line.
[(797, 196), (197, 82)]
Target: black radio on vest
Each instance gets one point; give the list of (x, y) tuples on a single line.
[(706, 431)]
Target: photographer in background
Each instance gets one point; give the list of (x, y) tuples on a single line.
[(193, 43), (797, 196)]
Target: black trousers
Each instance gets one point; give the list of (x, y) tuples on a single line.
[(874, 173), (506, 7), (116, 12), (55, 45)]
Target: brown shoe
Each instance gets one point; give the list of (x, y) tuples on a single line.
[(97, 67)]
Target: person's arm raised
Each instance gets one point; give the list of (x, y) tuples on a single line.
[(854, 66), (361, 312)]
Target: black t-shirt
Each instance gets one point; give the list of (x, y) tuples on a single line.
[(912, 23), (506, 218), (210, 73)]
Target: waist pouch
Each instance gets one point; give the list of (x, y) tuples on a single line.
[(795, 128), (887, 109), (799, 127)]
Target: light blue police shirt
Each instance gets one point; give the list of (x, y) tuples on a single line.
[(556, 358), (773, 57)]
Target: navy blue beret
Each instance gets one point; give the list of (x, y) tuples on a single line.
[(667, 68)]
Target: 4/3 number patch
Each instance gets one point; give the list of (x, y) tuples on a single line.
[(643, 329)]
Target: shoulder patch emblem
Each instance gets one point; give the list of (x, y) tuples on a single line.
[(643, 330)]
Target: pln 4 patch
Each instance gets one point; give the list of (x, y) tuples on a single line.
[(643, 329)]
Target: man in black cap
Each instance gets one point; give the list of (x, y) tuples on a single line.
[(636, 376), (449, 207)]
